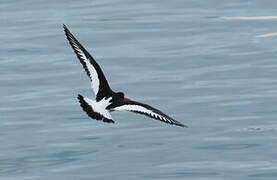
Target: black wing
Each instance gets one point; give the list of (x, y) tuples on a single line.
[(98, 81), (147, 110)]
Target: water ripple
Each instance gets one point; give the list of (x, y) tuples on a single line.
[(228, 146)]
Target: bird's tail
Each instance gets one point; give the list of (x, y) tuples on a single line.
[(94, 109)]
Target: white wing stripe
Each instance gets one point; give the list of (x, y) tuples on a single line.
[(142, 109), (93, 76), (92, 71)]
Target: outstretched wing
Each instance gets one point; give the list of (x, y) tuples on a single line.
[(147, 110), (99, 83), (94, 111)]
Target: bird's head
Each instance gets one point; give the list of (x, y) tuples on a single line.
[(121, 95)]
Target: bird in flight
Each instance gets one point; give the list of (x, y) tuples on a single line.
[(106, 99)]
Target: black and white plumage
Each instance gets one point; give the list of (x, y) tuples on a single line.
[(106, 99)]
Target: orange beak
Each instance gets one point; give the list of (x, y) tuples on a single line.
[(127, 99)]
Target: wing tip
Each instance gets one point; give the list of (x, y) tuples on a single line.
[(68, 34), (80, 97), (181, 125), (177, 123), (65, 27)]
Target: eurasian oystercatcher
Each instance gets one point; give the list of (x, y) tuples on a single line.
[(106, 99)]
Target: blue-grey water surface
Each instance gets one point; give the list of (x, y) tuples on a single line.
[(210, 64)]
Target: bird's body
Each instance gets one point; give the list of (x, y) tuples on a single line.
[(106, 99)]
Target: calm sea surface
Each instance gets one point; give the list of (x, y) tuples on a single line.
[(210, 64)]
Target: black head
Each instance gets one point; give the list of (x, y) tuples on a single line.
[(120, 94)]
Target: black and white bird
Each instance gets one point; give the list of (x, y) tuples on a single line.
[(106, 99)]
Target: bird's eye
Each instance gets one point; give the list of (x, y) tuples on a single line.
[(120, 94)]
